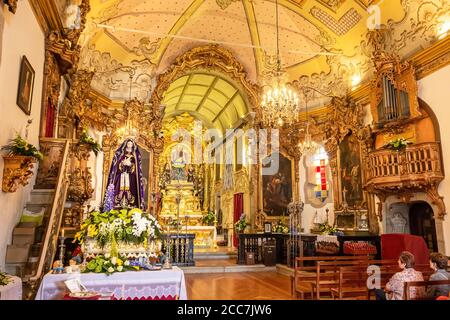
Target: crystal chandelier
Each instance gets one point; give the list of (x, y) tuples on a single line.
[(308, 146), (279, 104), (128, 130)]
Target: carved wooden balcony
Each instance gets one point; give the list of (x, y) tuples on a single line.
[(417, 168)]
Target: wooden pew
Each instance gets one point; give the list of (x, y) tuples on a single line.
[(305, 276), (325, 281), (353, 279), (410, 284)]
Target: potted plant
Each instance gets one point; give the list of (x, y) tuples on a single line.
[(326, 229), (18, 163), (209, 218), (86, 139), (398, 144), (241, 224)]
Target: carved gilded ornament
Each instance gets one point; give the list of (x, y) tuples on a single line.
[(74, 108), (73, 34), (12, 5), (212, 58), (17, 171)]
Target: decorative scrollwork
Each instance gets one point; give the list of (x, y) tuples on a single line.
[(12, 5), (17, 171)]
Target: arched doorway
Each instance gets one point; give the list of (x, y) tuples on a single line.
[(421, 223)]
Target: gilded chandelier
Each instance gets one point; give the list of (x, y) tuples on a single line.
[(308, 146), (279, 104)]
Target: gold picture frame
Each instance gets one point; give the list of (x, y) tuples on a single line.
[(26, 85)]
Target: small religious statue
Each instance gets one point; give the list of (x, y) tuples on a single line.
[(344, 197), (191, 174), (179, 162), (126, 177), (164, 178), (73, 15)]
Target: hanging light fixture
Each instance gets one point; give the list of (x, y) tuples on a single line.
[(128, 130), (279, 104), (308, 146)]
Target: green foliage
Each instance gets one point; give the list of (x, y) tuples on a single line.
[(326, 229), (4, 279), (397, 144), (85, 138), (20, 147), (241, 224), (129, 226), (209, 218), (280, 228), (108, 264)]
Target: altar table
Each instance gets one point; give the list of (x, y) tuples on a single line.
[(130, 285), (13, 290)]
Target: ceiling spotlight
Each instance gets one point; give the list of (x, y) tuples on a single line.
[(356, 79), (444, 29)]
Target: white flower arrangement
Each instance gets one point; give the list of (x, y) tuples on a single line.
[(131, 226)]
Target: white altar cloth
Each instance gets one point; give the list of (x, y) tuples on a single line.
[(130, 285), (13, 290)]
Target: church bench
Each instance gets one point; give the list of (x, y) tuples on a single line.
[(324, 284), (305, 276), (409, 284), (352, 279), (352, 282)]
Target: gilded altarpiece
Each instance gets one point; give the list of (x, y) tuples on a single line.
[(347, 142)]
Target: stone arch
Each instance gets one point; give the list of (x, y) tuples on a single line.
[(212, 58)]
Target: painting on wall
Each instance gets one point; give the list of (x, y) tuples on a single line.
[(277, 188), (26, 82), (350, 171)]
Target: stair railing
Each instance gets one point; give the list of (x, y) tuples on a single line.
[(49, 245)]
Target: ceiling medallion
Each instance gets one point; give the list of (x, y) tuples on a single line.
[(279, 104)]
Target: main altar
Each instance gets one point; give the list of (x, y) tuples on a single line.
[(182, 187), (181, 213)]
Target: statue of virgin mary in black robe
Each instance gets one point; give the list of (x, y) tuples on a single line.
[(126, 177)]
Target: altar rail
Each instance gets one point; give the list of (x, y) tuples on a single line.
[(254, 243), (181, 249), (287, 250), (416, 163)]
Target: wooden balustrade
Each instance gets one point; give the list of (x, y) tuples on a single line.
[(415, 164), (254, 243), (49, 246)]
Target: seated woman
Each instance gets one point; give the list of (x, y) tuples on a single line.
[(438, 262), (394, 288)]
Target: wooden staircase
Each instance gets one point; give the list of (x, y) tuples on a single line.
[(43, 249), (40, 199)]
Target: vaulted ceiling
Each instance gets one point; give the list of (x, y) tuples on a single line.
[(209, 98), (323, 43)]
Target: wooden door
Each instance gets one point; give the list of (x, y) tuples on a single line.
[(421, 223)]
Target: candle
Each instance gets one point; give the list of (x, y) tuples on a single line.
[(62, 232)]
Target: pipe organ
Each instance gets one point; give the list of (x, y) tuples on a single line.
[(394, 103), (394, 94)]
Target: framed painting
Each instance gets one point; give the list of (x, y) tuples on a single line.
[(26, 83), (267, 227), (277, 188), (350, 171)]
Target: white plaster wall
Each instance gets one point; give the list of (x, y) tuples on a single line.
[(434, 90), (22, 36)]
